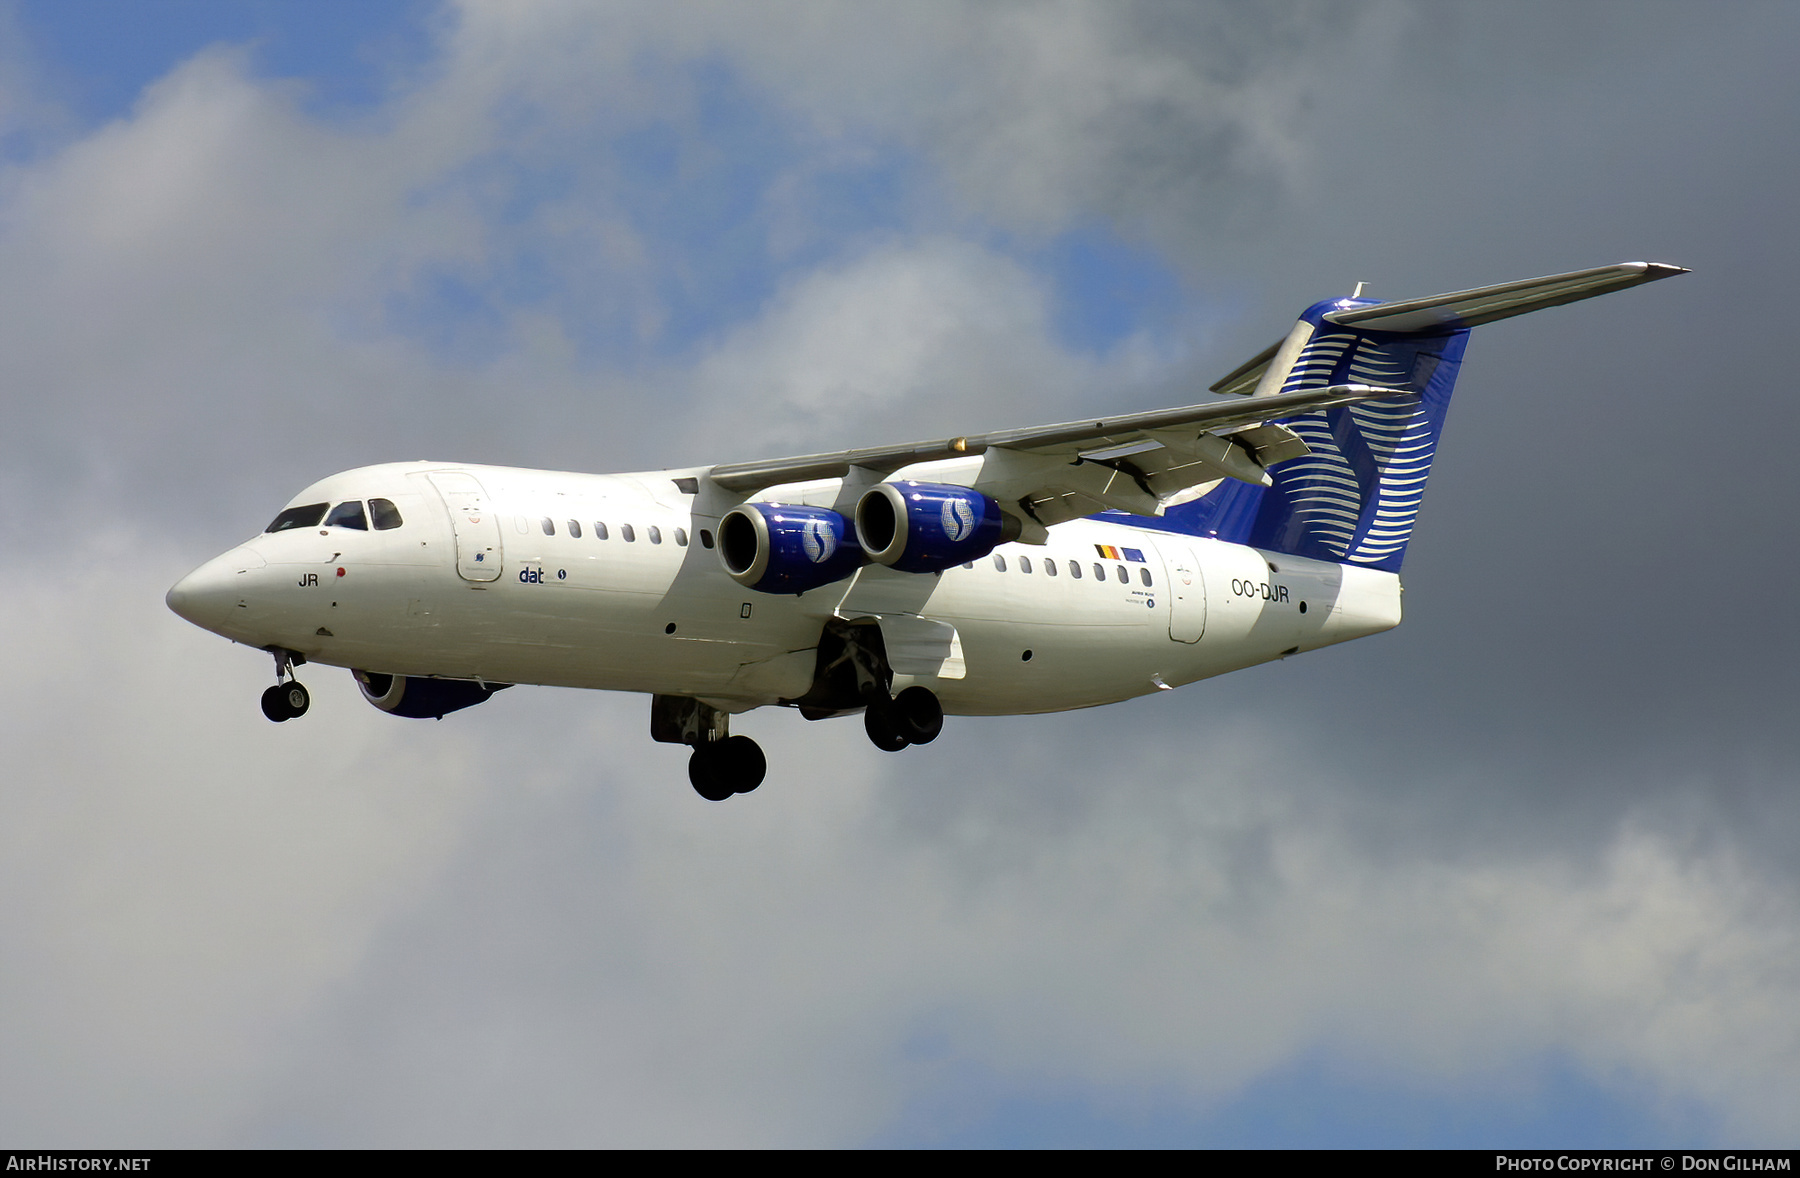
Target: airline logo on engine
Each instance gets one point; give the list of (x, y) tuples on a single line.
[(817, 540), (958, 519)]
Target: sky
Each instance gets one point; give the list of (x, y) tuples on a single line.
[(1519, 873)]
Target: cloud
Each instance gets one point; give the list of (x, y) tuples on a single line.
[(911, 340)]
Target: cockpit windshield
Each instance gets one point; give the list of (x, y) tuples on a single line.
[(385, 514), (348, 515), (298, 517), (345, 515)]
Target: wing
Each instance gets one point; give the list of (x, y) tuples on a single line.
[(1139, 462)]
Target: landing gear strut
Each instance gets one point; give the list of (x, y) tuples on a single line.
[(721, 764), (288, 699)]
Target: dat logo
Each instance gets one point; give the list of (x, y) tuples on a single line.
[(957, 518), (530, 576), (816, 538)]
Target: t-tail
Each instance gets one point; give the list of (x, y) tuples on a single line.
[(1354, 496)]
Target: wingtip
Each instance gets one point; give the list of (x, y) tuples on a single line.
[(1654, 270)]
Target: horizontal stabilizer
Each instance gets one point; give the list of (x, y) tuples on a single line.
[(1472, 308)]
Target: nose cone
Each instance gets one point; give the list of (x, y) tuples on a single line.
[(209, 596)]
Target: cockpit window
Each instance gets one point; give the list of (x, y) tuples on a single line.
[(385, 514), (298, 517), (348, 515)]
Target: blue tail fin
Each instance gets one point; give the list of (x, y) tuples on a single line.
[(1355, 497)]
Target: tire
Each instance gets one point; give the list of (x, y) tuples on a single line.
[(297, 698), (918, 715), (274, 703), (742, 762), (706, 776), (883, 732)]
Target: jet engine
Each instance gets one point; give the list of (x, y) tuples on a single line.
[(419, 697), (927, 527), (782, 548)]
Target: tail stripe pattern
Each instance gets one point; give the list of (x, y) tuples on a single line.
[(1356, 496), (1397, 439)]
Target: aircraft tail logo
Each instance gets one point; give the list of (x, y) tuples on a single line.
[(1355, 497)]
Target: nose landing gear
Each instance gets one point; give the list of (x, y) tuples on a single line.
[(288, 699)]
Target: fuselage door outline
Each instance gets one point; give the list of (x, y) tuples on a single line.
[(1186, 588), (473, 522)]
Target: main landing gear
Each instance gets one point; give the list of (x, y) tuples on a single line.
[(913, 717), (288, 699), (720, 768), (853, 672), (721, 764)]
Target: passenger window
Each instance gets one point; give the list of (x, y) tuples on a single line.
[(549, 526), (523, 524), (999, 562), (1075, 569), (1024, 564), (1050, 567), (1124, 577), (599, 530), (655, 534), (1144, 576), (348, 515), (627, 534), (386, 515), (969, 565), (1099, 571), (681, 537), (298, 517), (705, 538), (575, 528)]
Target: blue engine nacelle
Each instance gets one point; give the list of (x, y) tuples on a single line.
[(926, 527), (782, 548), (419, 697)]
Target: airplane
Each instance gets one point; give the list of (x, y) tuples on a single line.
[(1026, 571)]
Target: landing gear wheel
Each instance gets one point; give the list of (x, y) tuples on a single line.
[(706, 772), (735, 765), (274, 703), (884, 732), (743, 761), (296, 697), (918, 715)]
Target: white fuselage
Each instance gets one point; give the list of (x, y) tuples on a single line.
[(658, 612)]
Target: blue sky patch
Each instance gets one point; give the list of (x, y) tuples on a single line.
[(99, 55)]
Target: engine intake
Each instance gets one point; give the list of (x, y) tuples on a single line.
[(927, 527), (783, 548), (420, 697)]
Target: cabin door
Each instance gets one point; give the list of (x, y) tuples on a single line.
[(1187, 593), (472, 519)]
